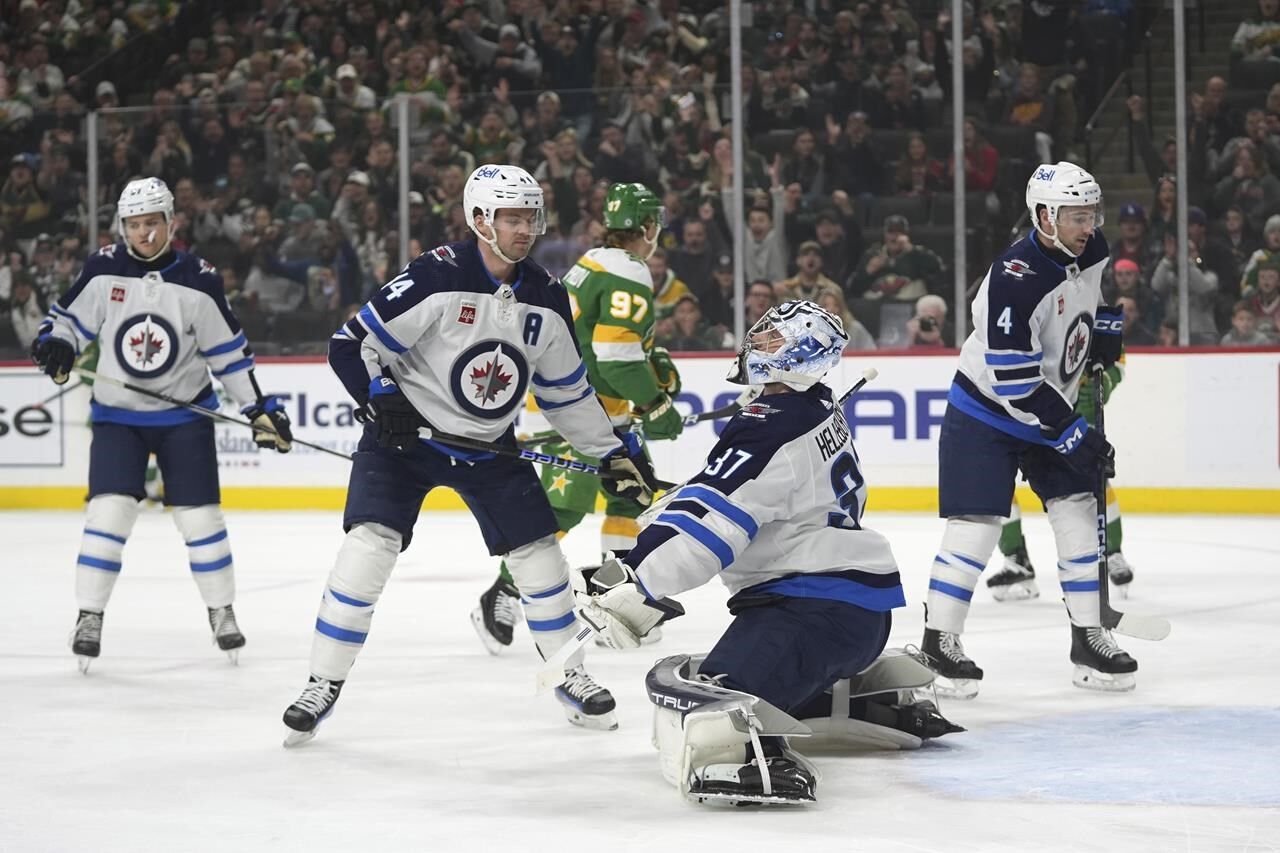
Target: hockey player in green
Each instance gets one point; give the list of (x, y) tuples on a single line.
[(1017, 580), (611, 297)]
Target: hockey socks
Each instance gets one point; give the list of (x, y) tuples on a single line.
[(108, 522), (966, 546), (208, 552), (364, 563)]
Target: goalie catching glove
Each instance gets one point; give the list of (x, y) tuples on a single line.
[(618, 609)]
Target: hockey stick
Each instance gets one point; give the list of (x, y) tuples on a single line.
[(1138, 625), (525, 454), (744, 399), (208, 413), (551, 673), (47, 400)]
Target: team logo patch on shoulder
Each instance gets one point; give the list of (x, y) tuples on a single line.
[(443, 254), (1018, 268), (759, 411), (488, 380), (117, 293), (207, 268), (1075, 346), (146, 346), (467, 314)]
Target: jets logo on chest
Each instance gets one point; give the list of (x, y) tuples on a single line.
[(1075, 346), (146, 345), (488, 380)]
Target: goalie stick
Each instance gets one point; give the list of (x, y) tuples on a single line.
[(1142, 626), (552, 672)]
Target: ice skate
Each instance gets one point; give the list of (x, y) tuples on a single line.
[(1121, 573), (226, 633), (958, 676), (1100, 663), (791, 781), (497, 615), (313, 706), (86, 639), (586, 703), (1017, 580)]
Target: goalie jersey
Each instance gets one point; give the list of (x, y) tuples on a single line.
[(162, 325), (777, 511), (464, 348), (1020, 368)]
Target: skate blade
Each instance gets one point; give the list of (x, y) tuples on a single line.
[(491, 643), (747, 800), (295, 739), (597, 722), (83, 662), (1020, 591), (233, 655), (956, 688), (1087, 678)]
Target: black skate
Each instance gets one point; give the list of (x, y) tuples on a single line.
[(958, 675), (496, 616), (1017, 580), (586, 703), (1121, 573), (790, 781), (313, 706), (226, 633), (1100, 663), (86, 639)]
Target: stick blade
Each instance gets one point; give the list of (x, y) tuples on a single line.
[(1138, 625)]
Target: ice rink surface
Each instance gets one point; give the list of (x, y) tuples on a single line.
[(437, 746)]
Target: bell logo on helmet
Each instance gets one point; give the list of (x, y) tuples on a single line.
[(488, 172), (1045, 174)]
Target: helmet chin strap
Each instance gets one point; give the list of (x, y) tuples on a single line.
[(652, 245), (493, 244), (1056, 242), (168, 239)]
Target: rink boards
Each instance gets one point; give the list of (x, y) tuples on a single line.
[(1195, 432)]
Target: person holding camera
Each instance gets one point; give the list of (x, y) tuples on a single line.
[(1202, 290), (928, 328)]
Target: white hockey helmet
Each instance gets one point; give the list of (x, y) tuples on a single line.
[(795, 343), (1061, 185), (493, 188), (142, 196)]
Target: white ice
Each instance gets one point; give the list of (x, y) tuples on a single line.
[(435, 745)]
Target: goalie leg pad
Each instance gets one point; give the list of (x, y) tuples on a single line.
[(966, 546), (108, 522), (208, 551), (1074, 520), (364, 563), (541, 573), (698, 724)]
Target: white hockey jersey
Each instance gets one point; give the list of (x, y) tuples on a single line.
[(777, 511), (464, 348), (1020, 368), (162, 326)]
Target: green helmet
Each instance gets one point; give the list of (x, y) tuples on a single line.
[(628, 207)]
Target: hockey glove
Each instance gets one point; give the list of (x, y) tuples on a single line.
[(1108, 335), (390, 409), (627, 472), (660, 418), (54, 356), (617, 607), (271, 424), (664, 368), (1085, 449)]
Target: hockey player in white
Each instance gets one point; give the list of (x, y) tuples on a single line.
[(776, 514), (163, 323), (454, 342), (1011, 407)]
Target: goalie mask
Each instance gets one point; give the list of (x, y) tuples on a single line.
[(795, 343)]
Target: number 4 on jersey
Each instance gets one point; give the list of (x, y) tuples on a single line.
[(397, 286), (1005, 320)]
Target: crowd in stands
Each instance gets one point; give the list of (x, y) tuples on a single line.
[(276, 126)]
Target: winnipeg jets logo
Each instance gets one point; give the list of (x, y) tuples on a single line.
[(146, 345), (207, 268), (1018, 268), (488, 379), (1075, 346)]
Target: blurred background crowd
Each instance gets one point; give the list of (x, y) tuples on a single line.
[(275, 123)]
